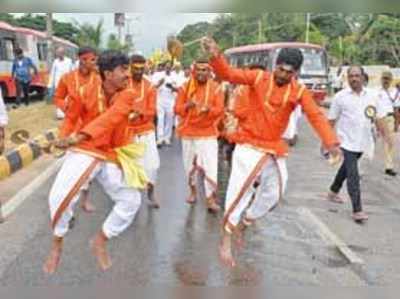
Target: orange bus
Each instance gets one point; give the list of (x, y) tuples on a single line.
[(314, 72), (34, 45)]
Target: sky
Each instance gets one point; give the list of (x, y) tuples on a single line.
[(150, 30)]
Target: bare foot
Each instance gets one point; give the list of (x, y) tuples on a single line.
[(53, 260), (239, 240), (225, 251), (239, 235), (99, 250), (212, 205), (192, 197), (154, 203), (333, 197), (360, 217), (85, 203)]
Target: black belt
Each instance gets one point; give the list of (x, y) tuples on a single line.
[(390, 114)]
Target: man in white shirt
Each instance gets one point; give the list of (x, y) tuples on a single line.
[(353, 111), (166, 85), (179, 74), (60, 67), (3, 122), (386, 101)]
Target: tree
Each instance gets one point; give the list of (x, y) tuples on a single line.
[(191, 33), (8, 18), (114, 43), (90, 35)]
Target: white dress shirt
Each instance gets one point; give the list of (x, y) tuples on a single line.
[(165, 96), (353, 127), (3, 112), (59, 68)]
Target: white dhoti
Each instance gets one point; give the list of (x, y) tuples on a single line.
[(165, 120), (201, 156), (291, 130), (77, 170), (257, 182), (151, 159)]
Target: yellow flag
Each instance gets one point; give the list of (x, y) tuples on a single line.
[(127, 156)]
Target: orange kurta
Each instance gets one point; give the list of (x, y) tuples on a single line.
[(110, 129), (194, 124), (145, 104), (266, 115), (70, 86), (237, 107)]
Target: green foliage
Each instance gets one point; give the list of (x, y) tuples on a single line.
[(89, 35), (114, 43), (191, 33)]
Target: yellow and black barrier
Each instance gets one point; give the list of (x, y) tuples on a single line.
[(24, 154)]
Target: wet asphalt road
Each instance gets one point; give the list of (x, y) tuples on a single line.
[(174, 246)]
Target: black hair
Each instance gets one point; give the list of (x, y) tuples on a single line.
[(109, 60), (290, 56), (366, 78), (135, 58), (356, 66), (202, 60), (86, 50), (18, 51)]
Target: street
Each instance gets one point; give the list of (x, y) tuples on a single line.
[(178, 244)]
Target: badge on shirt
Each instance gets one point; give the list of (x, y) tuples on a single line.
[(370, 112)]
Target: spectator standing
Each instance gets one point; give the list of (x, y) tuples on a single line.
[(21, 74), (353, 111), (60, 67), (386, 104)]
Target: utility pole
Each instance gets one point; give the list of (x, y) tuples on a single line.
[(260, 29), (308, 27), (50, 50)]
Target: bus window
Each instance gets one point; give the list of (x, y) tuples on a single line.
[(7, 49), (42, 51), (314, 62)]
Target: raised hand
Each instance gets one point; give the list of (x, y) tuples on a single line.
[(210, 47)]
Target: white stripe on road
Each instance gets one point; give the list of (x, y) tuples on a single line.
[(18, 199), (329, 236)]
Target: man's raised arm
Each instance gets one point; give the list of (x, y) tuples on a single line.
[(224, 71)]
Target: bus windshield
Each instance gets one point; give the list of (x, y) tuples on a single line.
[(315, 63)]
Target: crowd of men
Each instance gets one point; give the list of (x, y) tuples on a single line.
[(117, 114)]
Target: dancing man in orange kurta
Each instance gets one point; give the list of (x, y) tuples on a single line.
[(200, 107), (104, 110), (258, 176), (142, 125), (70, 86)]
